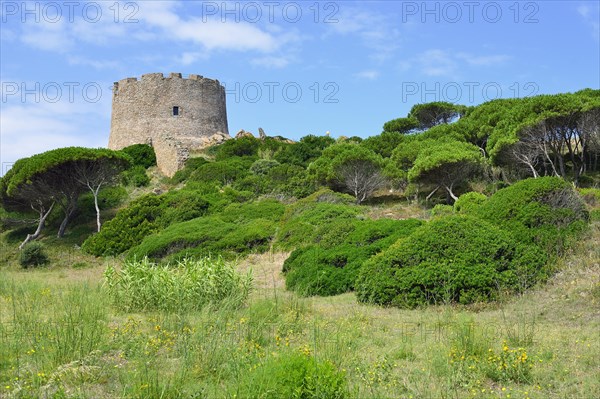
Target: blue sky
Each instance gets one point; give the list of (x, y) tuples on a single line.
[(292, 68)]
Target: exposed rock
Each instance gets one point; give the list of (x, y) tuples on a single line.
[(261, 133), (283, 139), (243, 133)]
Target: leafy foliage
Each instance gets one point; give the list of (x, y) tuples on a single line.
[(141, 155), (350, 167), (446, 164), (547, 212), (127, 228), (312, 219), (242, 147), (33, 254), (206, 236), (223, 172), (453, 259), (136, 177), (469, 202), (331, 268), (190, 166), (294, 375), (305, 151), (435, 113), (262, 167)]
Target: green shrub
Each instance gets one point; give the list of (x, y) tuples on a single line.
[(469, 202), (206, 236), (453, 259), (291, 180), (310, 224), (242, 147), (546, 211), (181, 205), (190, 166), (312, 219), (268, 209), (305, 151), (223, 172), (294, 375), (441, 210), (151, 213), (591, 196), (262, 166), (33, 254), (187, 285), (255, 184), (142, 155), (595, 215), (127, 228), (136, 177), (332, 268)]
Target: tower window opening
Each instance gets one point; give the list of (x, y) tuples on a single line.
[(176, 111)]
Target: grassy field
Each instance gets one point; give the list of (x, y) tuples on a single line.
[(61, 338)]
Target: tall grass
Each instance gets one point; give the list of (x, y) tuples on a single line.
[(189, 284)]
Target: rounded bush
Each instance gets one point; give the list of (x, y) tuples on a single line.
[(546, 211), (453, 259), (310, 223), (136, 177), (262, 166), (293, 375), (33, 254), (535, 202), (331, 268), (142, 155), (469, 202), (441, 210), (206, 236), (127, 228), (224, 172)]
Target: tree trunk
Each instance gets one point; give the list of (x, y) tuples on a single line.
[(451, 194), (535, 173), (95, 192), (63, 226), (431, 193), (561, 166), (41, 223)]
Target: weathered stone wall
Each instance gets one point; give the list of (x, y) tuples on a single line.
[(142, 112)]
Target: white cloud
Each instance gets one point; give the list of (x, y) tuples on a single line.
[(483, 60), (437, 63), (272, 62), (48, 36), (96, 64), (191, 57), (32, 125), (28, 130), (376, 31), (161, 21), (367, 74), (591, 17)]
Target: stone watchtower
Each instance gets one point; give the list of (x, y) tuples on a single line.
[(173, 114)]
